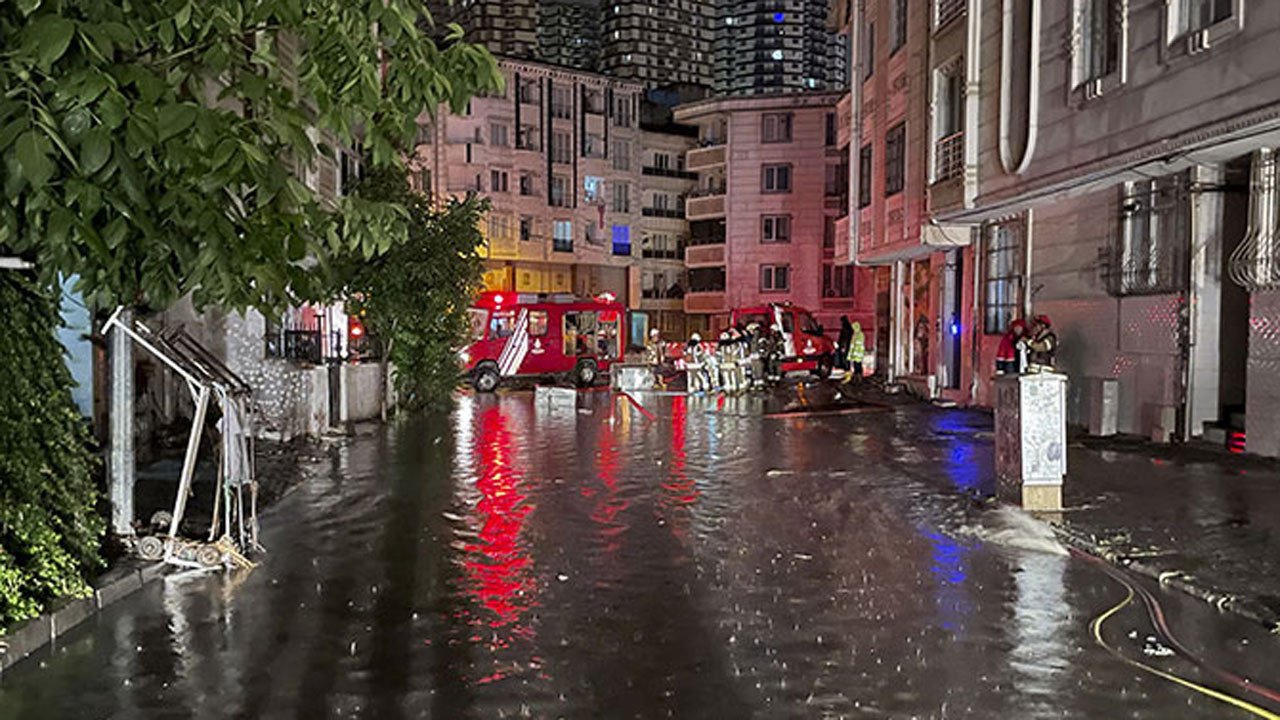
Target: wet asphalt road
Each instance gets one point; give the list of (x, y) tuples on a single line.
[(576, 559)]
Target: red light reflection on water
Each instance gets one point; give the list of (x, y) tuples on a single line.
[(609, 504), (678, 490), (497, 565)]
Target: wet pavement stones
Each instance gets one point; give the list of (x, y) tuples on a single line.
[(1192, 517)]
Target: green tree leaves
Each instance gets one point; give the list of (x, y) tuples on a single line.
[(415, 294), (177, 135), (49, 529)]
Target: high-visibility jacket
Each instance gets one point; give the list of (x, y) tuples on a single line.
[(857, 346)]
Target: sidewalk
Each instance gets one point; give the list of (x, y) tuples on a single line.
[(1202, 520), (1193, 517)]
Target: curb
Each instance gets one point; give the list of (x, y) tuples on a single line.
[(1171, 577), (24, 639)]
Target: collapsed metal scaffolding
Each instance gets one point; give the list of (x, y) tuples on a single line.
[(233, 532)]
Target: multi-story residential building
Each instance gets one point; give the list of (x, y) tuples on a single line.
[(658, 43), (764, 47), (562, 158), (506, 27), (569, 33), (772, 190), (664, 231), (1114, 165), (908, 93)]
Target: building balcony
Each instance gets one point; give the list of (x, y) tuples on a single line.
[(706, 158), (662, 212), (707, 207), (704, 255), (705, 302), (662, 254), (668, 172), (948, 157)]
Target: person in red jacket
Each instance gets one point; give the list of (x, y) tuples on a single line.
[(1007, 354)]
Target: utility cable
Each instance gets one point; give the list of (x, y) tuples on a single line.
[(1096, 628)]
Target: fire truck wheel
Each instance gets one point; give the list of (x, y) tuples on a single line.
[(823, 370), (485, 378), (585, 373)]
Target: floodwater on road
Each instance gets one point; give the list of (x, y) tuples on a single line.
[(570, 557)]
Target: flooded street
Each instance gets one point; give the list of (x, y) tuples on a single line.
[(578, 559)]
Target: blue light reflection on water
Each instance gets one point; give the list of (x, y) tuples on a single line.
[(949, 568)]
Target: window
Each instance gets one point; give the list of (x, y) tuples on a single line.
[(1003, 278), (561, 102), (526, 228), (898, 25), (562, 236), (775, 278), (526, 184), (424, 182), (579, 331), (559, 191), (945, 11), (561, 149), (709, 279), (621, 155), (864, 177), (869, 52), (593, 146), (775, 127), (1099, 27), (1155, 237), (837, 281), (775, 229), (502, 325), (537, 323), (832, 134), (529, 91), (662, 201), (776, 178), (499, 228), (662, 161), (835, 180), (622, 111), (829, 234), (1196, 15), (528, 138), (593, 189), (948, 160), (622, 240), (498, 135), (498, 181), (621, 197), (895, 159)]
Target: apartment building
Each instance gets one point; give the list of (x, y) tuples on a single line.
[(764, 47), (1113, 167), (505, 27), (658, 43), (569, 33), (772, 189), (664, 231), (562, 158)]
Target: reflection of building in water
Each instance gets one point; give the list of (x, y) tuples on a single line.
[(1040, 632)]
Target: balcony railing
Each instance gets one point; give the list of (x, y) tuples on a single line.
[(705, 158), (662, 253), (701, 208), (663, 212), (703, 255), (947, 10), (668, 172), (704, 302), (949, 157)]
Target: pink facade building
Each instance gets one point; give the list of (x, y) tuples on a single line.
[(772, 192)]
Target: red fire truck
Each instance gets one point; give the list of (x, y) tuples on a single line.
[(539, 335), (805, 347)]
